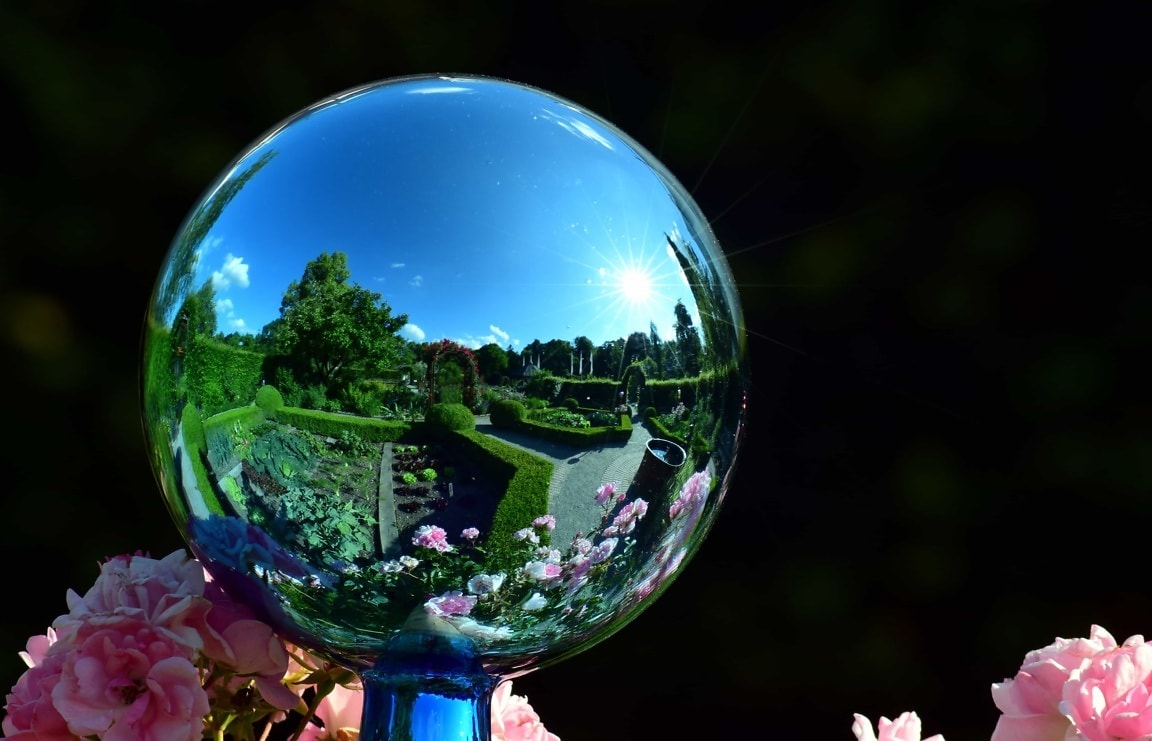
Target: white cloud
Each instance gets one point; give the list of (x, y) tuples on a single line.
[(397, 264), (498, 332), (412, 332), (234, 272), (417, 281), (224, 306), (238, 325), (471, 343)]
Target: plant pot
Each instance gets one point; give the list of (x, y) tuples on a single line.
[(661, 460)]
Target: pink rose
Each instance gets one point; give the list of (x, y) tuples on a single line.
[(30, 712), (513, 719), (906, 727), (129, 680), (432, 537), (626, 518), (605, 492), (1030, 702), (168, 593), (1109, 698), (340, 711), (548, 522), (449, 604), (240, 641)]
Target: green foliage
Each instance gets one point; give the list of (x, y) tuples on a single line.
[(428, 474), (562, 418), (332, 328), (543, 385), (269, 399), (444, 418), (649, 412), (570, 404), (507, 413), (351, 444), (281, 455), (533, 402), (409, 478), (328, 526), (602, 419)]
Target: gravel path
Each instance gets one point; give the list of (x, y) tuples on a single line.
[(578, 474)]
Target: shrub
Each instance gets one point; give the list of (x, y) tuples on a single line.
[(649, 412), (269, 399), (570, 404), (444, 418), (507, 413)]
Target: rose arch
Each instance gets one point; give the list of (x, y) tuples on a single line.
[(439, 349)]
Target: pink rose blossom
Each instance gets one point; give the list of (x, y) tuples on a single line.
[(528, 534), (30, 712), (513, 719), (626, 518), (129, 680), (548, 522), (605, 492), (168, 593), (470, 533), (690, 502), (433, 538), (1109, 698), (541, 571), (603, 550), (1030, 701), (341, 711), (906, 727), (450, 603)]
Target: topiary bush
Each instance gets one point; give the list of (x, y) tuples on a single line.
[(649, 412), (507, 413), (444, 418), (570, 404), (268, 398)]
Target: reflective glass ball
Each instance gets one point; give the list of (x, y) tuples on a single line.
[(444, 355)]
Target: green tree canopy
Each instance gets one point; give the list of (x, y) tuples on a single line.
[(332, 328), (491, 361)]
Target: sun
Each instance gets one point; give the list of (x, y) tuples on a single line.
[(636, 285)]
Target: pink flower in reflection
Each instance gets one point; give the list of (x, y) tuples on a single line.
[(548, 522), (625, 520), (605, 492), (450, 603), (433, 538)]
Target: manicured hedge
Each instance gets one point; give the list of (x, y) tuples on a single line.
[(196, 448), (331, 425), (220, 376), (581, 438), (269, 399), (526, 494), (447, 417), (507, 413)]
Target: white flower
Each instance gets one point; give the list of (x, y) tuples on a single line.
[(534, 603), (485, 583)]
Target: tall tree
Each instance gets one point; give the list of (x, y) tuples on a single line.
[(688, 347), (609, 359), (655, 351), (331, 327), (491, 362), (197, 315)]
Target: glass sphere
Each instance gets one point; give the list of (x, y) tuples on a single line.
[(445, 355)]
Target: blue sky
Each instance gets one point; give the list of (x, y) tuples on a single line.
[(487, 212)]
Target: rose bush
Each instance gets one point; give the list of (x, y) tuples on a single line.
[(156, 651)]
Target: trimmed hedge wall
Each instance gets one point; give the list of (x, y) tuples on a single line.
[(331, 425), (220, 376), (526, 494), (580, 438), (196, 448), (597, 392)]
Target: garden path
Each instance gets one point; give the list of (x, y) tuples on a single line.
[(577, 474)]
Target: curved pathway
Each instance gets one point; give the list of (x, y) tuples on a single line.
[(577, 474)]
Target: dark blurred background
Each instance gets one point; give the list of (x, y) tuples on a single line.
[(935, 210)]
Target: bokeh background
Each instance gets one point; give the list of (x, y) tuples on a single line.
[(936, 212)]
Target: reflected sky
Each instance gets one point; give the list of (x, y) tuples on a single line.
[(485, 211)]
